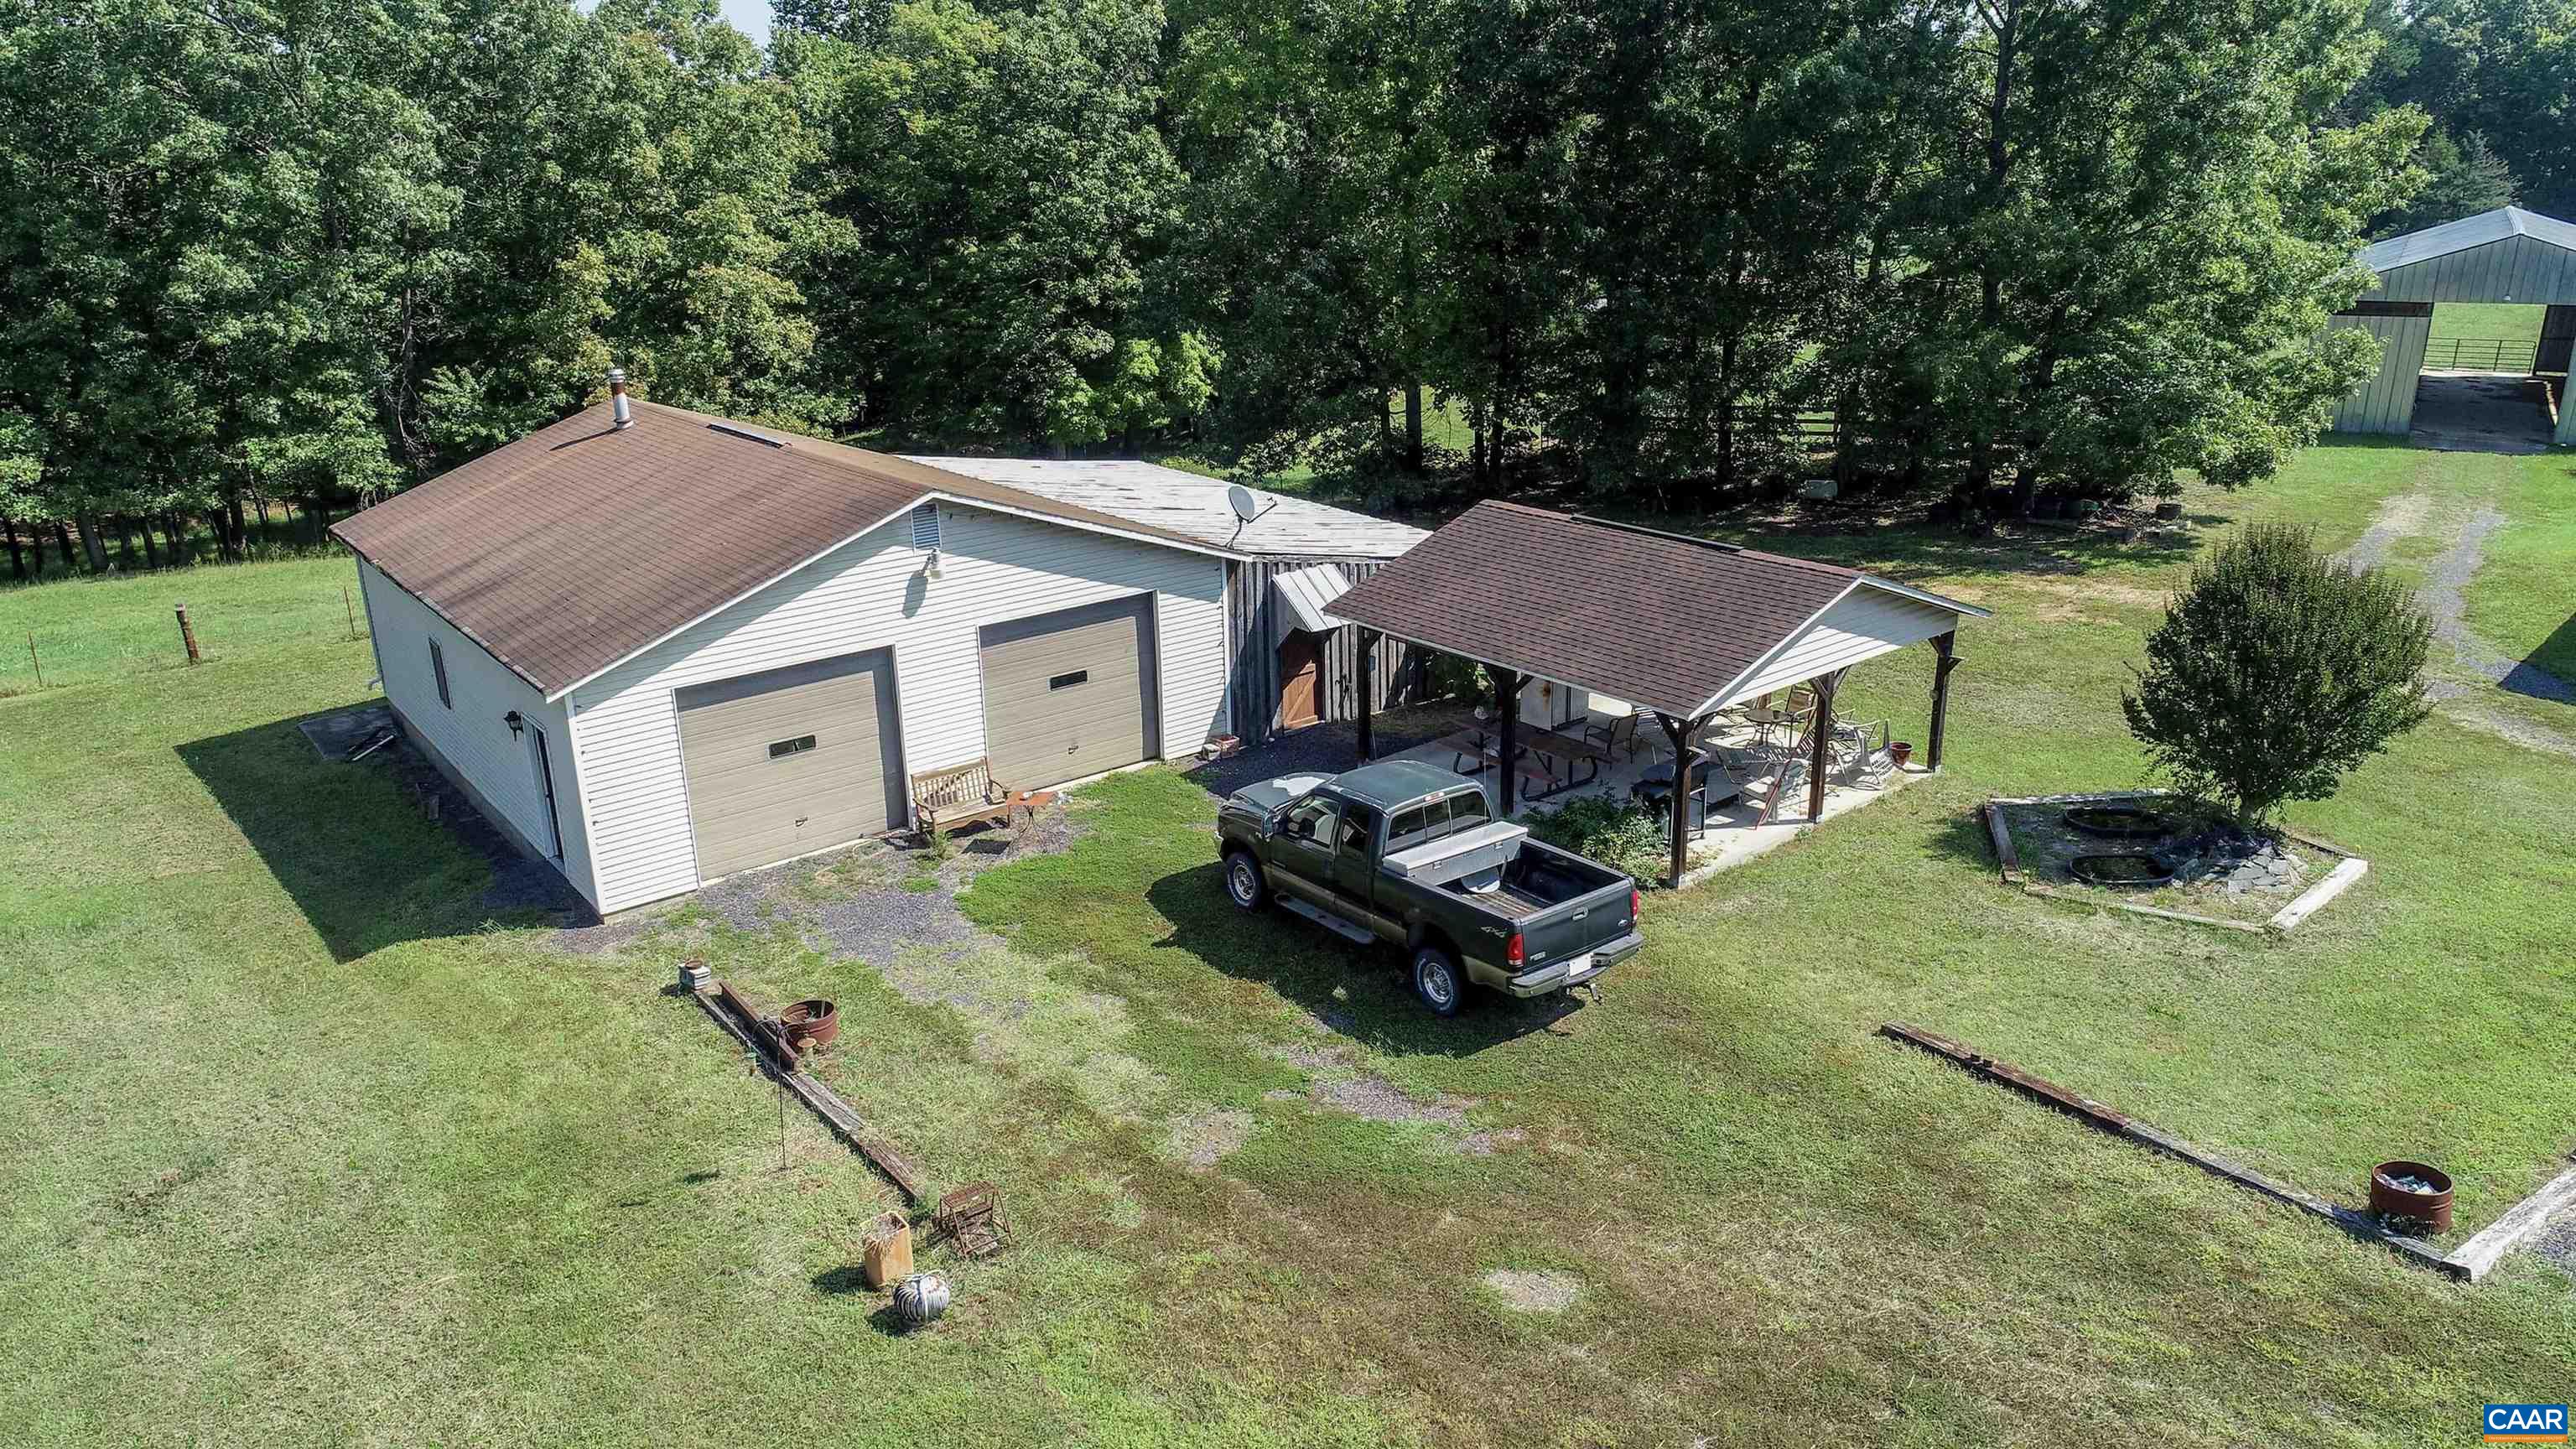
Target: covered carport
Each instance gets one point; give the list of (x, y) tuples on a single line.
[(1677, 628), (2481, 398)]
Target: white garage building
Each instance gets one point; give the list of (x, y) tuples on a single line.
[(662, 653)]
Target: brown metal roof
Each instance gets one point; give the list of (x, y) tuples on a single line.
[(1662, 621), (578, 545)]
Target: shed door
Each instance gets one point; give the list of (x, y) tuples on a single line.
[(1301, 673), (1069, 694), (790, 761)]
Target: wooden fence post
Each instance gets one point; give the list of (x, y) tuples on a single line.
[(32, 659), (187, 633)]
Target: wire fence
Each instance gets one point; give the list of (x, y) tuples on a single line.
[(99, 627)]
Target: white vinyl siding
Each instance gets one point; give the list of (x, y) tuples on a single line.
[(1863, 624), (468, 730), (871, 594)]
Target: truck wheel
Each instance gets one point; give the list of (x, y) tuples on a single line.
[(1243, 883), (1437, 981)]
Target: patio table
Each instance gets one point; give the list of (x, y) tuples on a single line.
[(1551, 746), (1486, 747)]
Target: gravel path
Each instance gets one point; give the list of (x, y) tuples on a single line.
[(855, 903), (2444, 596), (2472, 658), (1330, 748)]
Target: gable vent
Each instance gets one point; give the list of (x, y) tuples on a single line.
[(925, 526)]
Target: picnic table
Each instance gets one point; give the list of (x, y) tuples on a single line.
[(1540, 751)]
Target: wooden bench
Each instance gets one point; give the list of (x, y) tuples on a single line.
[(943, 800)]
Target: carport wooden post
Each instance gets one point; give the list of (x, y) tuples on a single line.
[(1683, 732), (1819, 749), (1368, 668), (1507, 704), (1946, 647)]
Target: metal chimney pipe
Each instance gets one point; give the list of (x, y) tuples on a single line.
[(625, 416)]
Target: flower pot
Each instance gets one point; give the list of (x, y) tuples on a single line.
[(1899, 752)]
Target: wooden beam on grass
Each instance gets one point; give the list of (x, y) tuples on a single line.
[(2119, 1124)]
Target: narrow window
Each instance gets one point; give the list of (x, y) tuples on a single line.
[(1068, 681), (438, 666), (1359, 826), (925, 526), (796, 746)]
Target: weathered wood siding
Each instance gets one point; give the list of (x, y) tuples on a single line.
[(2386, 404), (1253, 628), (871, 594), (499, 769), (2511, 269)]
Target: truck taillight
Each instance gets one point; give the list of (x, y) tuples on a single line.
[(1515, 954), (1636, 903)]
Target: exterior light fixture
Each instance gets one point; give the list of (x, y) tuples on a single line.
[(930, 566), (517, 722)]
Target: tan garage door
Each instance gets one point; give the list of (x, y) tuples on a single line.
[(1071, 693), (790, 761)]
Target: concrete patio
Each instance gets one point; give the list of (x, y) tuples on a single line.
[(1728, 836)]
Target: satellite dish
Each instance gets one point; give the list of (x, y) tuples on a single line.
[(1240, 499)]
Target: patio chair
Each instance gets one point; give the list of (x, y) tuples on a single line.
[(1858, 752), (1615, 733)]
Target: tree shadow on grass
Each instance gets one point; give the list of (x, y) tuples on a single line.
[(2549, 671), (1964, 837), (1359, 993), (352, 844)]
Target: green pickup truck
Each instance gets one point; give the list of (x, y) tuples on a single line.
[(1406, 852)]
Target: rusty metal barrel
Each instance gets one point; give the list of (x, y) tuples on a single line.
[(2412, 1190)]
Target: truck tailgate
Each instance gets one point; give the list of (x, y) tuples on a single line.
[(1576, 927)]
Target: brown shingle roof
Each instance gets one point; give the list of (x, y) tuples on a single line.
[(1661, 621), (577, 546)]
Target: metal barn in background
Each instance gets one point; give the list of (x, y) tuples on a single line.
[(2505, 255)]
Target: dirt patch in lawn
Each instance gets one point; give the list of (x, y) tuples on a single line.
[(1379, 1100), (1534, 1290), (2081, 601), (1025, 1015), (1202, 1139), (1343, 1085), (2400, 517)]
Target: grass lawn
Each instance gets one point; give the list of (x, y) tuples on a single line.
[(2506, 321), (2520, 598), (303, 1149), (101, 627)]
